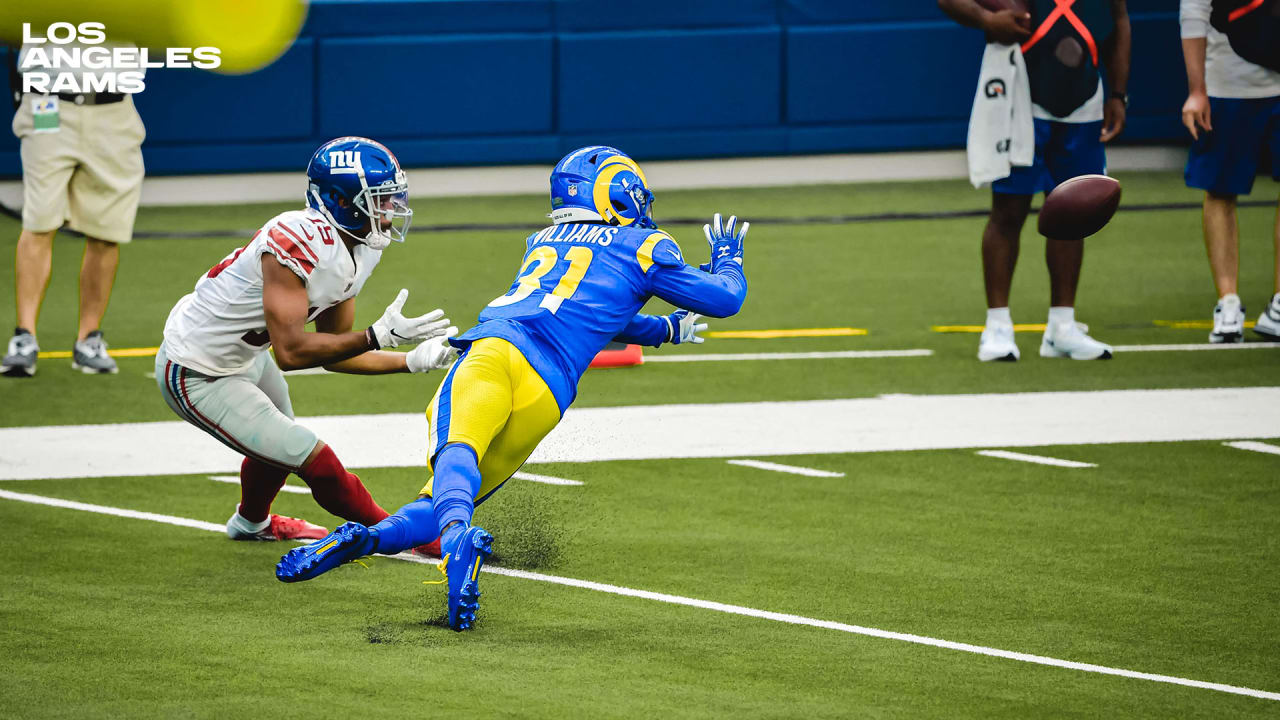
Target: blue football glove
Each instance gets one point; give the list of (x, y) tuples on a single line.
[(684, 327), (725, 240)]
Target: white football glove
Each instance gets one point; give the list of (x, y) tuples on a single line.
[(433, 354), (394, 329), (685, 327)]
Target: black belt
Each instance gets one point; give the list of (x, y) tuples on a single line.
[(102, 98)]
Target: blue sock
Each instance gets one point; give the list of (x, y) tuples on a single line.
[(410, 526), (455, 487)]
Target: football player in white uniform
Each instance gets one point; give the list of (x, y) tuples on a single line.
[(303, 266)]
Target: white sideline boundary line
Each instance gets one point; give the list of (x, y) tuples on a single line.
[(1255, 446), (235, 480), (707, 430), (544, 479), (1198, 346), (792, 469), (834, 355), (1038, 459), (705, 605)]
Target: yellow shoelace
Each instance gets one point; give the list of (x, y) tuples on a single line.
[(441, 566)]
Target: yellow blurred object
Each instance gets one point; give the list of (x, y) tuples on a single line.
[(250, 33)]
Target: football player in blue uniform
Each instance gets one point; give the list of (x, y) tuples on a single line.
[(581, 284)]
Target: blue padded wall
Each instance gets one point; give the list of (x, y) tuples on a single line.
[(458, 82)]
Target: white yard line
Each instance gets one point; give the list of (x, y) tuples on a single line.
[(708, 605), (1254, 446), (117, 512), (793, 469), (884, 634), (235, 480), (1038, 459), (544, 479), (721, 430), (834, 355), (1198, 346)]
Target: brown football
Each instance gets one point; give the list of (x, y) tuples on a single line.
[(1079, 207)]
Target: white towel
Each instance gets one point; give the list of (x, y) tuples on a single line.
[(1001, 131)]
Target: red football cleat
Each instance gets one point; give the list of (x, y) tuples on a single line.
[(289, 528), (431, 549)]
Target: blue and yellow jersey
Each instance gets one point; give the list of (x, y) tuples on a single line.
[(581, 285)]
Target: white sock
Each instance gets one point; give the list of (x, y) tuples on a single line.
[(999, 316), (247, 526), (1062, 315), (1230, 297)]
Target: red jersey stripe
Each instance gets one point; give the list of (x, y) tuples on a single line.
[(306, 265), (288, 248), (303, 243)]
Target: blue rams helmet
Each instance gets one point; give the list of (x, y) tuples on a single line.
[(600, 184), (354, 182)]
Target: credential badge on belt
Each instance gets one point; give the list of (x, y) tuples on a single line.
[(44, 112)]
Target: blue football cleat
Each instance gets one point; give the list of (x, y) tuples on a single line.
[(461, 568), (350, 541)]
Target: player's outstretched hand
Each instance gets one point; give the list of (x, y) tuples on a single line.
[(394, 329), (433, 354), (725, 239), (685, 327)]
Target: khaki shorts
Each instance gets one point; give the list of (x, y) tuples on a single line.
[(88, 172)]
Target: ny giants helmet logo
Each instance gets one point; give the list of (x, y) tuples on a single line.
[(344, 162)]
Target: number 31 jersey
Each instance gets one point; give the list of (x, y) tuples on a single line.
[(580, 286), (220, 328)]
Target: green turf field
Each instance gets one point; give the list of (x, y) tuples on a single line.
[(1161, 559)]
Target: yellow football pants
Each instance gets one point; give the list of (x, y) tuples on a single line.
[(493, 401)]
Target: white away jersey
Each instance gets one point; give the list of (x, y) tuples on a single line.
[(220, 328)]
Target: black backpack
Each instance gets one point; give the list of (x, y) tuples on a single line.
[(1061, 63), (1252, 27)]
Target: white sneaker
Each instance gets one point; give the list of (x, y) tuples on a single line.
[(1268, 325), (997, 343), (1228, 320), (276, 527), (1072, 340)]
